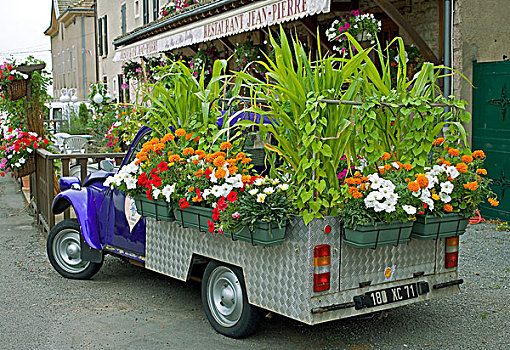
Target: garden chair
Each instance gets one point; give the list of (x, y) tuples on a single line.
[(59, 140), (75, 144)]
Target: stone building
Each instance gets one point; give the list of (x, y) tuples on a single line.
[(72, 32)]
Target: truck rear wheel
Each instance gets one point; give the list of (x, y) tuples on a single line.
[(225, 302), (64, 251)]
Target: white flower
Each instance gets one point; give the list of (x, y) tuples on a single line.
[(378, 207), (29, 150), (108, 182), (259, 181), (269, 190), (225, 189), (261, 197), (213, 177), (373, 177), (376, 183), (217, 191), (378, 195), (275, 182), (445, 198), (452, 172), (410, 210), (130, 182), (155, 192), (283, 187), (390, 208), (447, 187), (206, 193), (395, 165), (253, 191), (22, 160), (393, 197)]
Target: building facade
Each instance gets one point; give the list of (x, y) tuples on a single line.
[(72, 32)]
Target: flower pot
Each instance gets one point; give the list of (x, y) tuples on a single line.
[(193, 216), (26, 169), (157, 209), (265, 234), (434, 227), (380, 234), (17, 89)]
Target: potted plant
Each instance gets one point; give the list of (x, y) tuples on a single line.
[(455, 186), (379, 207), (259, 213)]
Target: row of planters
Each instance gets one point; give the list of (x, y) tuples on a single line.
[(348, 140)]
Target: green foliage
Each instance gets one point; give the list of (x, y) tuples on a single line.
[(83, 114)]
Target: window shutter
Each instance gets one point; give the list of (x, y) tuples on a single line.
[(145, 11), (123, 19), (155, 9), (105, 34), (100, 36)]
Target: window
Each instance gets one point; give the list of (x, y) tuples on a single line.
[(155, 9), (123, 89), (123, 18), (145, 11), (137, 8), (100, 37), (68, 61), (105, 35), (74, 58)]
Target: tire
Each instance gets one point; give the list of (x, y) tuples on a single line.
[(63, 247), (225, 302)]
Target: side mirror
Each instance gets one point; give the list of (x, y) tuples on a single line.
[(107, 165), (68, 182)]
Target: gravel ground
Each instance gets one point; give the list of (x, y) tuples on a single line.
[(127, 307)]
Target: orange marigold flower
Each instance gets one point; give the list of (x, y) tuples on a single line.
[(199, 152), (481, 171), (422, 180), (196, 161), (219, 162), (478, 154), (407, 179), (471, 186), (407, 166), (447, 163), (448, 208), (387, 166), (199, 173), (493, 202), (141, 154), (382, 171), (246, 160), (168, 137), (364, 178), (386, 156), (438, 141), (191, 189), (197, 199), (174, 158), (188, 136), (153, 141), (462, 168), (413, 186), (232, 170), (220, 173), (357, 194), (188, 151), (353, 189), (225, 145), (180, 132), (440, 160), (467, 159), (158, 147), (231, 161), (240, 155), (446, 147), (246, 178), (363, 187), (196, 139), (357, 174), (453, 152)]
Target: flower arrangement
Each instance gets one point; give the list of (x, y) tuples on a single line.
[(8, 74), (362, 26), (455, 184), (204, 59), (381, 196), (18, 147), (172, 7), (246, 53)]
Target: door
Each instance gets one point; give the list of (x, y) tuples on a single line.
[(491, 130)]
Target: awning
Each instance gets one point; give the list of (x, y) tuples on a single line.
[(243, 19)]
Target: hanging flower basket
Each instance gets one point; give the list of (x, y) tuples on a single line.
[(435, 227), (17, 89), (265, 234), (157, 209), (26, 169), (380, 234), (194, 217)]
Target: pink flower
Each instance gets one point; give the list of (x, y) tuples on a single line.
[(347, 25), (236, 215)]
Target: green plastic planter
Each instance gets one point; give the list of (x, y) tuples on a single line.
[(194, 217), (157, 208), (265, 234), (434, 227), (380, 234)]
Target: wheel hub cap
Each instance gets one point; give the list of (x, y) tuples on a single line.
[(224, 296), (67, 251)]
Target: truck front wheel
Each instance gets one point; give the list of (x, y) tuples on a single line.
[(64, 251), (225, 302)]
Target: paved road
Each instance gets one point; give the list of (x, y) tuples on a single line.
[(127, 307)]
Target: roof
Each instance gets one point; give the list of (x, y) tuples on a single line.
[(63, 10), (62, 6)]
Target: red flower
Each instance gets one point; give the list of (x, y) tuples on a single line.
[(183, 203), (207, 173), (232, 196), (216, 214), (222, 205), (154, 172), (142, 180), (11, 78), (163, 166), (149, 196), (211, 225), (156, 181)]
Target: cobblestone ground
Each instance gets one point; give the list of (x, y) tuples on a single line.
[(127, 307)]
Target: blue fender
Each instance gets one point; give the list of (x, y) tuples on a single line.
[(83, 204)]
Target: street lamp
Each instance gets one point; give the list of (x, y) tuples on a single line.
[(69, 97)]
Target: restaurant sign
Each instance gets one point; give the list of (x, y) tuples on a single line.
[(250, 17)]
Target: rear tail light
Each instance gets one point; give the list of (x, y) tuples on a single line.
[(321, 267), (452, 252)]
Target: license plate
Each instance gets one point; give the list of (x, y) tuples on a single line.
[(387, 296)]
